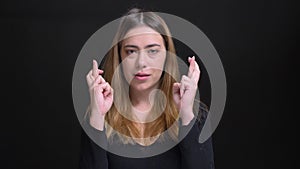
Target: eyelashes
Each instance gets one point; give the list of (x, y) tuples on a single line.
[(152, 51), (133, 52), (130, 52)]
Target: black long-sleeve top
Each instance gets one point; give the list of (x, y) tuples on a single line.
[(187, 154)]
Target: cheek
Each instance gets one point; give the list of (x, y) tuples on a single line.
[(157, 74), (159, 63), (126, 65), (127, 70), (159, 68)]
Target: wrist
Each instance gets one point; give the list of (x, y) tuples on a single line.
[(97, 121), (186, 118)]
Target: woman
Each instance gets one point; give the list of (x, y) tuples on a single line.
[(127, 113)]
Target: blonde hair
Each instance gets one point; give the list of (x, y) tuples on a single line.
[(116, 123)]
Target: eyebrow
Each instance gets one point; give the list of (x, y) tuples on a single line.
[(148, 46)]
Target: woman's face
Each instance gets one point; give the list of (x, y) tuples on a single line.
[(143, 56)]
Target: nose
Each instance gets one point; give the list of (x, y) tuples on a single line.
[(141, 60)]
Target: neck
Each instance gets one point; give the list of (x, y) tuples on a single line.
[(141, 102), (140, 99)]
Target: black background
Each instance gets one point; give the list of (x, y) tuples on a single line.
[(256, 41)]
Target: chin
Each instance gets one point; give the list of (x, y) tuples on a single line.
[(142, 87)]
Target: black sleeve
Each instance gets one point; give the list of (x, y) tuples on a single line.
[(92, 156), (195, 155)]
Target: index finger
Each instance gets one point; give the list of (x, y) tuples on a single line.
[(192, 66), (95, 68)]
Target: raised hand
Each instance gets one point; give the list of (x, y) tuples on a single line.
[(184, 92), (101, 96)]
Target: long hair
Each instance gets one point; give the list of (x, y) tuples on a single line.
[(116, 123)]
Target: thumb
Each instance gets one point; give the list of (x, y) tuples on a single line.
[(176, 87)]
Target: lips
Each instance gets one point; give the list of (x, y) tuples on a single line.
[(141, 76)]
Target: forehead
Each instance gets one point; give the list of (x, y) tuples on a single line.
[(142, 35)]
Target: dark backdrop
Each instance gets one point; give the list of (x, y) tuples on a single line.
[(256, 41)]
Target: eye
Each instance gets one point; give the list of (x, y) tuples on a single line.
[(130, 51), (152, 51)]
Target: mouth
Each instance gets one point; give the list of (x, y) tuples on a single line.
[(141, 76)]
